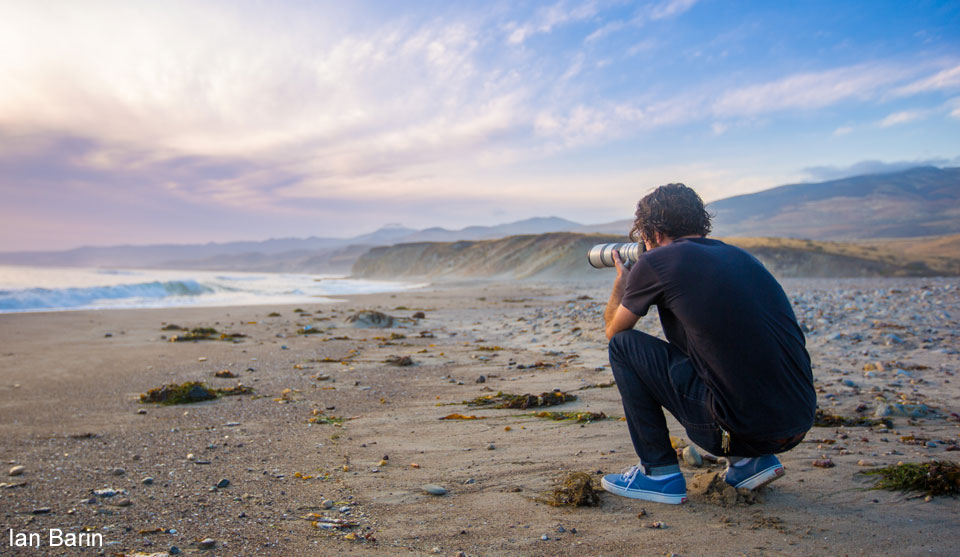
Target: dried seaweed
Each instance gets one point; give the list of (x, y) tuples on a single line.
[(190, 392), (932, 478), (521, 402), (822, 419), (579, 417), (576, 489), (463, 417)]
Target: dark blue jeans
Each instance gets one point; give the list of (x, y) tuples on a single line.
[(652, 375)]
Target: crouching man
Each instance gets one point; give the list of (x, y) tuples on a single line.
[(734, 370)]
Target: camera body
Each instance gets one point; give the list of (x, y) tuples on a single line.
[(601, 255)]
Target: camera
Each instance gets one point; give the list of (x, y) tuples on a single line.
[(601, 255)]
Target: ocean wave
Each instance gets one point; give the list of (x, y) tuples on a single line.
[(49, 298)]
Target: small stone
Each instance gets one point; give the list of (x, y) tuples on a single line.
[(191, 456), (461, 554), (207, 543), (141, 411), (17, 470), (41, 510), (692, 457), (327, 504), (544, 537), (561, 529), (223, 483), (123, 503), (118, 471), (147, 481), (174, 550), (434, 489), (107, 492), (491, 447), (344, 510), (482, 379)]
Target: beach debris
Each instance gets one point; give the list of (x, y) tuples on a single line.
[(433, 489), (824, 463), (320, 418), (225, 374), (521, 402), (822, 419), (691, 457), (419, 315), (903, 410), (16, 470), (677, 442), (462, 417), (223, 483), (207, 543), (655, 524), (579, 417), (711, 487), (108, 492), (399, 361), (575, 489), (273, 314), (369, 319), (932, 478), (183, 393), (204, 333), (308, 330), (239, 389), (189, 392), (172, 327)]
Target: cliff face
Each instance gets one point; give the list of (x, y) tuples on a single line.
[(562, 256)]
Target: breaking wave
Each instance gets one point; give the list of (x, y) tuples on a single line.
[(98, 296)]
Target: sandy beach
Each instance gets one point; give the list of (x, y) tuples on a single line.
[(332, 451)]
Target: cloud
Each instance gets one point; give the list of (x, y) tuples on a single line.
[(822, 173), (806, 91), (670, 8), (549, 17), (946, 79), (902, 117), (842, 130)]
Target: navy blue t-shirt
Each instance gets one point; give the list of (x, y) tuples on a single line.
[(722, 308)]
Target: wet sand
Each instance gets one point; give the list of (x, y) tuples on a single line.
[(70, 415)]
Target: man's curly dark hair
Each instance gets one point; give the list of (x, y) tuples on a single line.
[(673, 210)]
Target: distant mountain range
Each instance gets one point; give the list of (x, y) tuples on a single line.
[(922, 201)]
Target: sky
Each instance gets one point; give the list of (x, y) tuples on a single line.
[(136, 122)]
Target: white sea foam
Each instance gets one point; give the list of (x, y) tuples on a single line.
[(57, 289)]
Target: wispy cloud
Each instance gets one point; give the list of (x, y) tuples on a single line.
[(946, 79), (842, 130), (902, 117), (645, 14), (810, 90), (548, 18)]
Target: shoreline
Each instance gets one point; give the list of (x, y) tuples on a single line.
[(74, 421)]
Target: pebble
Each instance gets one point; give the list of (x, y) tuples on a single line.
[(147, 481), (207, 543), (223, 483), (327, 504), (434, 489), (17, 470), (544, 537), (345, 509), (123, 503), (42, 510), (118, 471), (141, 411), (692, 457), (174, 550), (107, 492), (491, 447)]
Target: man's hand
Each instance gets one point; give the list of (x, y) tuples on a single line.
[(616, 317)]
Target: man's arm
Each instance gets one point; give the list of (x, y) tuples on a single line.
[(617, 318)]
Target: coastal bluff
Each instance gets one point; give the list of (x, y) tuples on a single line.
[(562, 256)]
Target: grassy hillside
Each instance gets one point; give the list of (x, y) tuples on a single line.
[(562, 256)]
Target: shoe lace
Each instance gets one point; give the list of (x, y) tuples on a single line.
[(631, 472)]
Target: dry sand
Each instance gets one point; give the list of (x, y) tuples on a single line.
[(69, 415)]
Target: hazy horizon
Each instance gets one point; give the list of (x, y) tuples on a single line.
[(192, 122)]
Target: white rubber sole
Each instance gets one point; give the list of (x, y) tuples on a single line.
[(641, 494), (762, 478)]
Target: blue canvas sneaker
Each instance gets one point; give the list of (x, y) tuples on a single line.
[(757, 472), (633, 483)]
